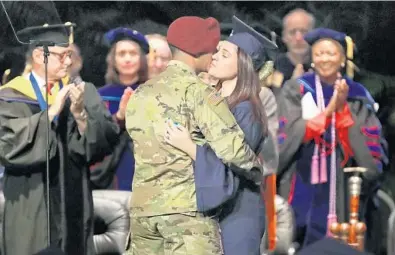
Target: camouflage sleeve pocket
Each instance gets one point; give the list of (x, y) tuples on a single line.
[(223, 113), (219, 107)]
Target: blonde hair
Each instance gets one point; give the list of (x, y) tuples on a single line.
[(5, 76)]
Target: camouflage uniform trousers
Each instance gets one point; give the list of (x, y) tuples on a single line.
[(174, 234)]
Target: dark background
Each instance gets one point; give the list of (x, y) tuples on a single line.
[(370, 24)]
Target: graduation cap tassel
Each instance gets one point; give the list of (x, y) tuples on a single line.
[(350, 57), (266, 70), (71, 36), (5, 76)]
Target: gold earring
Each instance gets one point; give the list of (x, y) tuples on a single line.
[(312, 65), (342, 64)]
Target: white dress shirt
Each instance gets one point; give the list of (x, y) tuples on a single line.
[(39, 79)]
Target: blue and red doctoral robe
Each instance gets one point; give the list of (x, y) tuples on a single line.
[(359, 142)]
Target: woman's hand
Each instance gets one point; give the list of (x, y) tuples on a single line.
[(342, 93), (179, 137), (331, 107), (123, 103)]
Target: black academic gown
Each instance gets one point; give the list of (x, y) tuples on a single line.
[(237, 201), (310, 202), (23, 153)]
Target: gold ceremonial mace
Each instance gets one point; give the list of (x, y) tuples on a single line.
[(352, 232)]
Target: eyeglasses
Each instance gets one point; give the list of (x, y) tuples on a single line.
[(61, 56)]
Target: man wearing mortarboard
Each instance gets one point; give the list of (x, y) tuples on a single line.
[(327, 122), (81, 132), (164, 213)]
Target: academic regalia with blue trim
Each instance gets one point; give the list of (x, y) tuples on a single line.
[(116, 170), (112, 94), (366, 148), (308, 140)]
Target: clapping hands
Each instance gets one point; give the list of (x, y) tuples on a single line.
[(77, 97), (339, 97)]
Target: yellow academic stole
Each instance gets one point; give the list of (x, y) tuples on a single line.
[(24, 86)]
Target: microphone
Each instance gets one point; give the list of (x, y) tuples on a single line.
[(76, 80), (73, 80)]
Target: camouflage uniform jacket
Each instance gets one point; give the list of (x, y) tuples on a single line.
[(163, 181)]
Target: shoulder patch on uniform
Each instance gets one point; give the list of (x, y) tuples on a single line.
[(214, 98)]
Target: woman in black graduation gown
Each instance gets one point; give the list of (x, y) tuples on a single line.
[(236, 201), (327, 122)]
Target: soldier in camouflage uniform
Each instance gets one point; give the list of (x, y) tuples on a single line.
[(164, 216)]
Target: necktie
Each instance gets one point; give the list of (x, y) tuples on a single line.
[(49, 88)]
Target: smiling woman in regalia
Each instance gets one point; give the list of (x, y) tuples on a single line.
[(327, 122)]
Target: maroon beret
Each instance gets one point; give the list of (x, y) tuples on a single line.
[(194, 35)]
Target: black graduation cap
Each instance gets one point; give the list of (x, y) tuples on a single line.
[(330, 246), (122, 33), (345, 41), (57, 34), (257, 46)]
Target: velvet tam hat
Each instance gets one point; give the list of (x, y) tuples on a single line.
[(122, 33), (345, 41)]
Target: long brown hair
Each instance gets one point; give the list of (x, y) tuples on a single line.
[(248, 88), (112, 75)]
